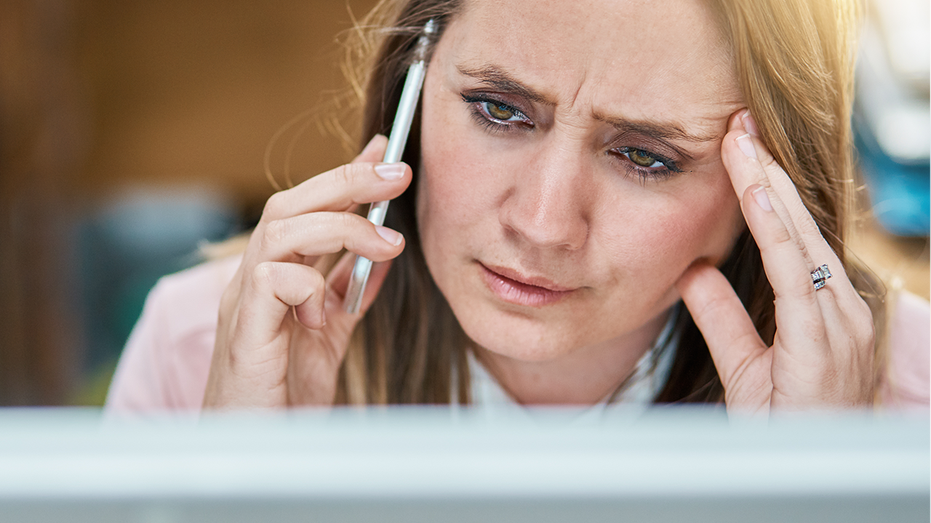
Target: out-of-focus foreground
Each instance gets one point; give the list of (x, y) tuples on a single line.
[(132, 131)]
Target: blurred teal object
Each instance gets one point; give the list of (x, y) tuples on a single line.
[(131, 241), (899, 192), (892, 118)]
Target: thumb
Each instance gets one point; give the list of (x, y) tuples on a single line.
[(720, 316)]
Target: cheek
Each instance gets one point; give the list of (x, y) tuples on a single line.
[(669, 231), (457, 183)]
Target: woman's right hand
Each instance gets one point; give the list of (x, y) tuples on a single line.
[(282, 331)]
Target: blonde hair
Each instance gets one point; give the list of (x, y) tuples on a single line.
[(794, 60)]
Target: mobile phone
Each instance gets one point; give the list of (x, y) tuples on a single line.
[(396, 142)]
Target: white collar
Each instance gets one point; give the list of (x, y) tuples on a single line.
[(636, 394)]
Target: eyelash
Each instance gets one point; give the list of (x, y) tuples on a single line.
[(668, 170), (481, 116)]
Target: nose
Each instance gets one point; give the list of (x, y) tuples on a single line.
[(549, 202)]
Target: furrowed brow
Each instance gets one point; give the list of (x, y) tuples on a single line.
[(502, 81), (667, 131)]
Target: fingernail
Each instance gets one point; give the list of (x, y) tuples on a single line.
[(322, 318), (746, 145), (369, 146), (390, 171), (390, 235), (750, 124), (762, 199)]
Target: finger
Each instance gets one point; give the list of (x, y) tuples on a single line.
[(740, 155), (784, 194), (273, 288), (337, 284), (783, 186), (720, 316), (374, 151), (799, 317), (319, 233), (339, 189), (788, 204)]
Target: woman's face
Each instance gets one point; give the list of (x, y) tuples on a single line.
[(571, 167)]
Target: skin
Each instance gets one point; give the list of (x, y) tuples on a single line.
[(557, 201)]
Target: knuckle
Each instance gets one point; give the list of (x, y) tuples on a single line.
[(807, 226), (770, 165), (264, 275), (346, 174), (274, 232), (317, 281), (781, 234), (349, 224), (347, 220), (273, 206), (865, 328)]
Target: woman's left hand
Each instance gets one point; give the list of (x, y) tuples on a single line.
[(822, 353)]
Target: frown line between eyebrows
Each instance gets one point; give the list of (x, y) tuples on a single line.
[(496, 77)]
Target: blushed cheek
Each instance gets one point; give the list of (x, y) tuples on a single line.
[(455, 185), (712, 226), (664, 239)]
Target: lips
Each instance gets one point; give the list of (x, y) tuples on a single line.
[(530, 291)]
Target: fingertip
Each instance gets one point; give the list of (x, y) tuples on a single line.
[(690, 274), (311, 315), (749, 123), (735, 121), (391, 171), (745, 144), (373, 150), (759, 195), (389, 235)]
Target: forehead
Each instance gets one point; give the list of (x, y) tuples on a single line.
[(649, 56)]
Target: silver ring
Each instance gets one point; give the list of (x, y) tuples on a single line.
[(820, 276)]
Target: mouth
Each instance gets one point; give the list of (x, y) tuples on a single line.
[(529, 291)]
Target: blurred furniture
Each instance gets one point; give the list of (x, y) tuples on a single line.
[(130, 131)]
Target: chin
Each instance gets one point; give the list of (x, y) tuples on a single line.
[(519, 338)]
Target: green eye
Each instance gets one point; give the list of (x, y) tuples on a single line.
[(641, 158), (500, 112), (644, 163), (496, 115)]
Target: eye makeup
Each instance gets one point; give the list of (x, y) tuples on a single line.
[(494, 114), (644, 164), (640, 161)]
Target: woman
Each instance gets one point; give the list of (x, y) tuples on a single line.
[(578, 168)]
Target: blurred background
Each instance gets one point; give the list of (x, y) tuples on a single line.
[(130, 132)]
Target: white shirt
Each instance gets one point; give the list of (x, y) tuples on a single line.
[(636, 394)]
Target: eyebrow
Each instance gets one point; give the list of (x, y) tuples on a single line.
[(668, 131), (501, 80)]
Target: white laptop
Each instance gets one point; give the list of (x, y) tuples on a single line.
[(442, 465)]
